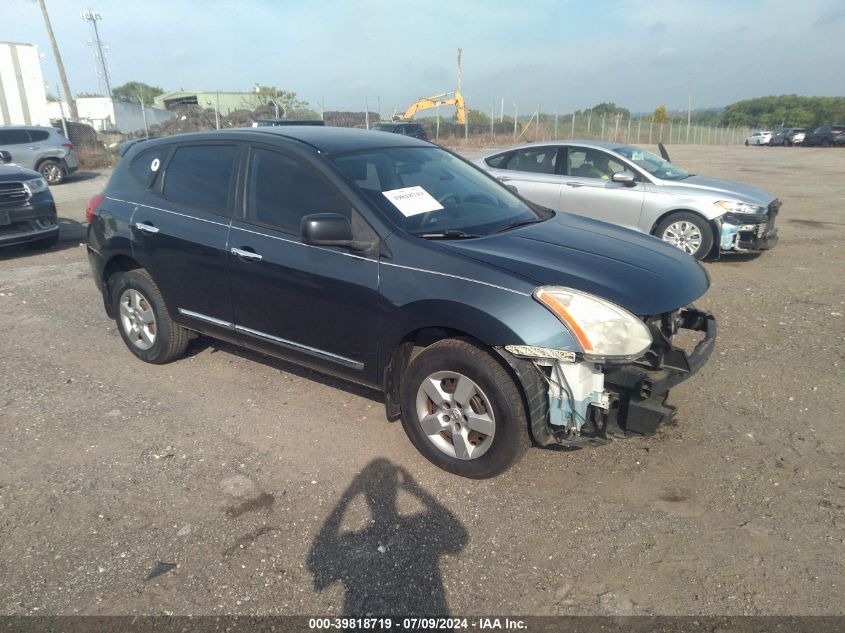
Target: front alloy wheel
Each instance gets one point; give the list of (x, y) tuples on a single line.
[(463, 410), (455, 414), (687, 231)]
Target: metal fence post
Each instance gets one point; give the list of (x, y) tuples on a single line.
[(572, 135)]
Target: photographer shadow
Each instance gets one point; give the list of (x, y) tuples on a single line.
[(389, 562)]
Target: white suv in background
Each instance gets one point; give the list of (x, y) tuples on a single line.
[(759, 138), (43, 149)]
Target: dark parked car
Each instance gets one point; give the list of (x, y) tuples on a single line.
[(27, 210), (487, 321), (414, 130), (823, 136), (789, 136)]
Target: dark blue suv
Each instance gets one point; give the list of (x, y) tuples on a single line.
[(488, 322)]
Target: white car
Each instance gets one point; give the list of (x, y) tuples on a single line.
[(759, 138)]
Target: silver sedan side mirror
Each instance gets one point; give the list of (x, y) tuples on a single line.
[(625, 177)]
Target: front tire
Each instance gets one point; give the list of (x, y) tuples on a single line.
[(687, 231), (143, 320), (463, 411)]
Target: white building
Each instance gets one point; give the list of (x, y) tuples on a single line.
[(23, 97), (111, 115)]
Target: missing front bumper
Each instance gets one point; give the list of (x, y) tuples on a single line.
[(587, 404)]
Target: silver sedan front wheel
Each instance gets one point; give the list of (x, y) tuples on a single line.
[(684, 235), (137, 319), (455, 415)]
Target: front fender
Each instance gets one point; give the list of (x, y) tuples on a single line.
[(493, 315)]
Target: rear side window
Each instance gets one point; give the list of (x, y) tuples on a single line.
[(199, 177), (540, 160), (147, 165), (281, 190), (500, 161), (14, 137), (39, 135)]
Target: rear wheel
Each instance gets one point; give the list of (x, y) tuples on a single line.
[(52, 172), (462, 410), (687, 231), (143, 319)]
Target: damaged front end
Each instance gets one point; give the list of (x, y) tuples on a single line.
[(748, 232), (588, 402)]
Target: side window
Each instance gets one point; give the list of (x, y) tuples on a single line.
[(39, 135), (281, 191), (500, 161), (14, 137), (540, 160), (590, 163), (147, 165), (199, 176)]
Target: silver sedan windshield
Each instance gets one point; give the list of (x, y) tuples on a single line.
[(654, 165)]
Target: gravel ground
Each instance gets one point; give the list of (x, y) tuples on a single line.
[(228, 482)]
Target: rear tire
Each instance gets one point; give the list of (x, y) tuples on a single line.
[(474, 422), (52, 172), (143, 320), (687, 231)]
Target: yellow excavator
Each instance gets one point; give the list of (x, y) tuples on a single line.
[(446, 98)]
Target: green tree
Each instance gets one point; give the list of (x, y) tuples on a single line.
[(791, 110), (135, 91), (477, 117), (289, 106), (660, 114)]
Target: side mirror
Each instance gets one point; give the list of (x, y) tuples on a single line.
[(329, 229), (5, 157), (625, 177), (512, 188)]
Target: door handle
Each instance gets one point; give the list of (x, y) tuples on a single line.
[(36, 147), (246, 255), (505, 178), (574, 184), (146, 228)]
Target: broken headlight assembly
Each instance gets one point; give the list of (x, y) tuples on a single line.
[(733, 206), (604, 330)]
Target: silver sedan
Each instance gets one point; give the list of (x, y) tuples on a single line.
[(634, 188)]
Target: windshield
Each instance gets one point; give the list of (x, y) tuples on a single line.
[(429, 192), (654, 165)]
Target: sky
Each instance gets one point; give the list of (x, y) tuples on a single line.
[(563, 55)]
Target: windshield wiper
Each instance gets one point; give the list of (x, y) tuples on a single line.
[(515, 225), (448, 234)]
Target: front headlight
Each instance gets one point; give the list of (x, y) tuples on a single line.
[(604, 329), (733, 206), (36, 185)]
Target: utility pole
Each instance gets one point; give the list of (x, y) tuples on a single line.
[(689, 109), (62, 76), (93, 17)]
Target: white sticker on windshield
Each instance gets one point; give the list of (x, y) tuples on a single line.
[(155, 164), (412, 201), (637, 156)]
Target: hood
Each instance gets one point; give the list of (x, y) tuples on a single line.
[(638, 272), (723, 189), (12, 172)]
